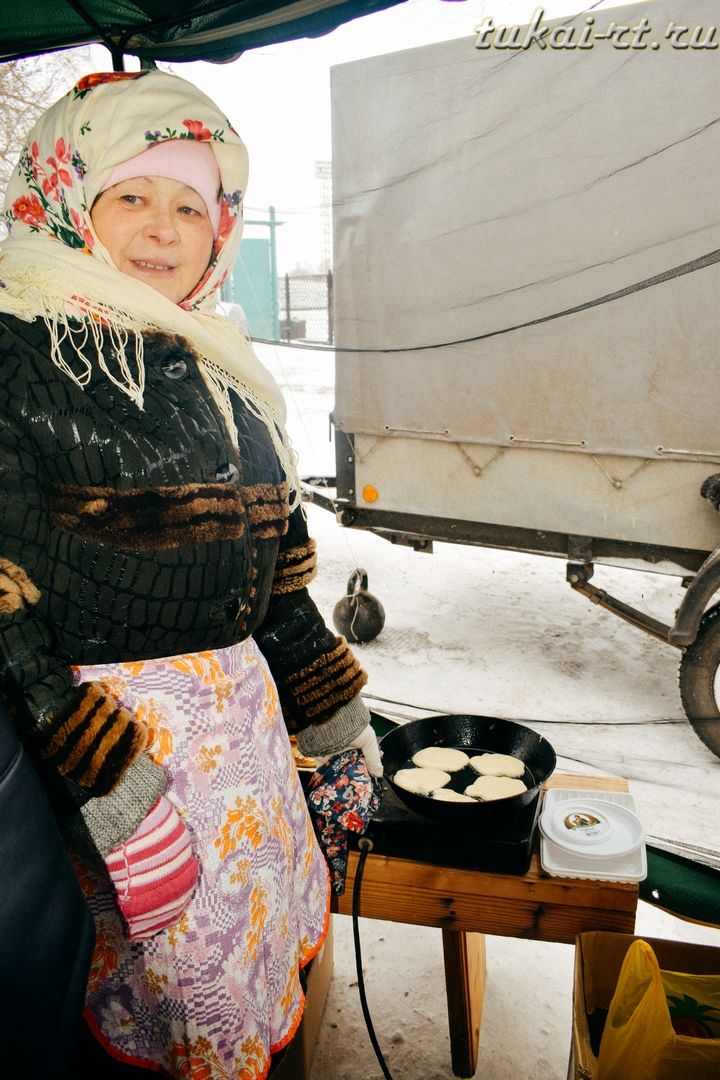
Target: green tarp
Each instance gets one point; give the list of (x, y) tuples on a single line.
[(684, 887), (175, 30)]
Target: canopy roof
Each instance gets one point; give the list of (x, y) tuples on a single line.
[(216, 30)]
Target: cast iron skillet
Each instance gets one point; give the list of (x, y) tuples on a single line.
[(474, 735)]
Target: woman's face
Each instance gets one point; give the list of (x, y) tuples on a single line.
[(156, 230)]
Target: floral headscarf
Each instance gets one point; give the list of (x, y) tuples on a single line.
[(54, 266)]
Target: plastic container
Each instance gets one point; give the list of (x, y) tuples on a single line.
[(594, 835)]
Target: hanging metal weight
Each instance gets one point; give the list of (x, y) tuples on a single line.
[(359, 616)]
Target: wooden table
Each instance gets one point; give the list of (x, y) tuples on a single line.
[(467, 904)]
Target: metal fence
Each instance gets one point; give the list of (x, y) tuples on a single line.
[(305, 305)]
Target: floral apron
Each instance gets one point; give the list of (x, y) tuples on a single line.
[(214, 995)]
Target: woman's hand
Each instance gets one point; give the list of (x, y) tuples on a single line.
[(367, 742), (154, 872)]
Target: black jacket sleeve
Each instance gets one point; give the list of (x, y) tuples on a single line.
[(315, 671), (83, 731)]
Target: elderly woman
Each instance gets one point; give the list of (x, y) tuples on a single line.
[(157, 639)]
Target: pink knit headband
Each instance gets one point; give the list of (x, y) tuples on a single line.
[(186, 160)]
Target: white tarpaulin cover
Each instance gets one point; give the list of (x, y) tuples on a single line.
[(560, 207)]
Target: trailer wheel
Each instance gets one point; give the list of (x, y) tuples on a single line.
[(700, 680)]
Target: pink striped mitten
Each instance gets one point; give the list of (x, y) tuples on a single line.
[(154, 872)]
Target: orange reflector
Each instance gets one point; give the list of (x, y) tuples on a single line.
[(370, 493)]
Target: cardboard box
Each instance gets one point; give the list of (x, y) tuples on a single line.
[(598, 959), (298, 1059)]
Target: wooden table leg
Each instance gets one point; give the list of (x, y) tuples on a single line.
[(464, 955)]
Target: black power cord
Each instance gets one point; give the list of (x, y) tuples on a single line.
[(365, 845)]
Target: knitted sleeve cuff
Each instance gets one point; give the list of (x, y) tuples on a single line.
[(111, 819), (321, 740), (317, 691)]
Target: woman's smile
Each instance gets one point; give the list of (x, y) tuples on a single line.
[(152, 265)]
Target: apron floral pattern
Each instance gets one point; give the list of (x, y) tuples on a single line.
[(214, 995)]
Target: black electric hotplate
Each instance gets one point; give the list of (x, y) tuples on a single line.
[(503, 844)]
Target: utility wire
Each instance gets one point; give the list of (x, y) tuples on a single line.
[(526, 720), (701, 263)]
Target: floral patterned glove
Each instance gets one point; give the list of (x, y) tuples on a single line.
[(342, 798)]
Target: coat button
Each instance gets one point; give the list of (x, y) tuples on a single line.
[(235, 608), (174, 369), (228, 609), (224, 474)]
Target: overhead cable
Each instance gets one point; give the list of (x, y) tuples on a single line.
[(700, 263)]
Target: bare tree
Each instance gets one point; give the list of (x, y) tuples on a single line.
[(27, 87)]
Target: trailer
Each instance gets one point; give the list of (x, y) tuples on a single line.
[(526, 280)]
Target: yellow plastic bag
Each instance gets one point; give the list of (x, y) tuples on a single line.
[(639, 1041)]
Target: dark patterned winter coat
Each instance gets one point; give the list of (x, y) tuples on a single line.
[(129, 534)]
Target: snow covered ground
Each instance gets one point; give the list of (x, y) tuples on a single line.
[(477, 631)]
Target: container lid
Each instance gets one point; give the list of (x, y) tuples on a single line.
[(593, 828)]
